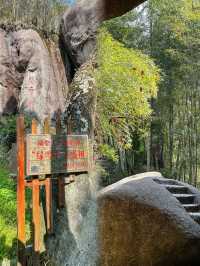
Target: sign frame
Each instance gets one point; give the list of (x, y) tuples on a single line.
[(65, 152)]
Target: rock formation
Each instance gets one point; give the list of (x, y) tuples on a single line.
[(148, 220), (32, 75), (80, 24), (81, 102), (75, 231), (78, 33)]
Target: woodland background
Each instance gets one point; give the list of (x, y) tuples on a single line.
[(148, 81)]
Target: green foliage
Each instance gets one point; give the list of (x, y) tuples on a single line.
[(8, 130), (108, 152), (126, 81), (128, 29), (7, 216), (8, 223), (175, 42)]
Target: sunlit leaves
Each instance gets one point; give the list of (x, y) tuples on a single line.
[(126, 80)]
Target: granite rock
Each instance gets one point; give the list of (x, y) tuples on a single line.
[(142, 223), (80, 23), (32, 75)]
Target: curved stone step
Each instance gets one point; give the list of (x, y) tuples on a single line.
[(166, 181), (185, 198), (176, 189), (192, 207), (195, 216)]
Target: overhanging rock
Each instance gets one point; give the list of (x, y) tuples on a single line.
[(148, 220), (80, 24)]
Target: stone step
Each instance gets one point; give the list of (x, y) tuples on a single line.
[(195, 216), (166, 181), (176, 189), (192, 207), (185, 198)]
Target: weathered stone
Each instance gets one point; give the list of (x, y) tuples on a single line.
[(80, 24), (75, 226), (32, 75), (81, 102), (142, 223), (9, 80)]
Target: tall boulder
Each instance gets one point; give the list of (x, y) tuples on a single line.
[(32, 75), (9, 79)]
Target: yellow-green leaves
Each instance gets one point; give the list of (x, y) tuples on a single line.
[(126, 80)]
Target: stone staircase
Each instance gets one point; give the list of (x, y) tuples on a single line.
[(183, 195)]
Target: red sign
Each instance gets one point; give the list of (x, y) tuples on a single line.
[(51, 154)]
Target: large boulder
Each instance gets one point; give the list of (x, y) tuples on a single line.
[(80, 24), (142, 223), (32, 75), (75, 241)]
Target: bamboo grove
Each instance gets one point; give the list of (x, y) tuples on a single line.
[(169, 32)]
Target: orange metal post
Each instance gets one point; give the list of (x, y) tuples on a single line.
[(47, 125), (36, 210), (48, 189), (34, 127), (49, 214), (21, 191), (36, 220)]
